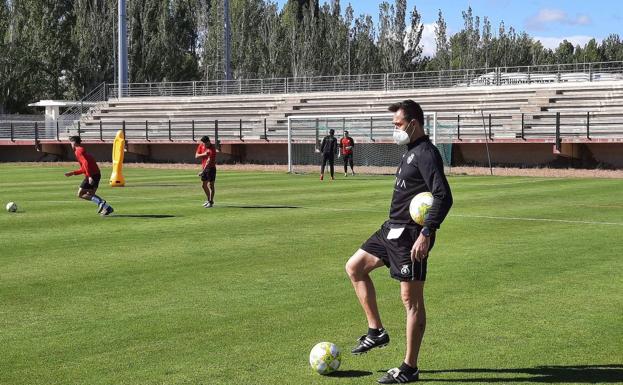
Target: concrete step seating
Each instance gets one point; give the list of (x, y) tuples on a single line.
[(604, 100)]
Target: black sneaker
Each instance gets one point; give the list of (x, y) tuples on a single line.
[(367, 342), (396, 376), (107, 211)]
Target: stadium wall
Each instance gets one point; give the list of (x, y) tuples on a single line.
[(571, 155)]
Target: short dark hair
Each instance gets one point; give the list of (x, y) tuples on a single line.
[(76, 139), (205, 139), (345, 132), (331, 131), (411, 110)]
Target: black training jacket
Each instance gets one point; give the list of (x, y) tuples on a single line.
[(420, 170)]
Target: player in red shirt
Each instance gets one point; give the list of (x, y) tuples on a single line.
[(207, 153), (346, 150), (92, 176)]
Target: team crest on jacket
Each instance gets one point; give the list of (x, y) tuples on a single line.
[(405, 270), (410, 158)]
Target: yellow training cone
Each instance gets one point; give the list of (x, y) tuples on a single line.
[(117, 179)]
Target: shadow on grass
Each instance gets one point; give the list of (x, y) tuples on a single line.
[(349, 373), (549, 374), (156, 185), (146, 216), (259, 206)]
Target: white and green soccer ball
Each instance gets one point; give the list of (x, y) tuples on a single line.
[(420, 204), (11, 207), (325, 357)]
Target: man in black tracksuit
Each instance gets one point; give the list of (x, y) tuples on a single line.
[(328, 148), (400, 243)]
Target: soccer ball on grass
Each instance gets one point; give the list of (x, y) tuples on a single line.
[(11, 207), (420, 204), (325, 358)]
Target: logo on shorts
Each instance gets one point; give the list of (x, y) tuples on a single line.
[(405, 270), (410, 158)]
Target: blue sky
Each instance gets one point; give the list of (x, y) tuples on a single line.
[(549, 21)]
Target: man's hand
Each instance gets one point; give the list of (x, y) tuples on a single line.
[(69, 173), (419, 251)]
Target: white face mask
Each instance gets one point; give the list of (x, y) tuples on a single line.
[(400, 137)]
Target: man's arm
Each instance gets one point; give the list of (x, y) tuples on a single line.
[(430, 165), (200, 154)]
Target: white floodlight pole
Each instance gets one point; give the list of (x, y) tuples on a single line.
[(435, 128), (123, 49), (289, 145)]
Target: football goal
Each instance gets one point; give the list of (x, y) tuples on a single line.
[(374, 151)]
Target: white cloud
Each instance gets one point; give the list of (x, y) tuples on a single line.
[(554, 42), (429, 47), (547, 16)]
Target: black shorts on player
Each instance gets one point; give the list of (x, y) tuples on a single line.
[(208, 174), (396, 253), (85, 185)]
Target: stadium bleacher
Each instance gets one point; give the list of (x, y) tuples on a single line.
[(264, 117)]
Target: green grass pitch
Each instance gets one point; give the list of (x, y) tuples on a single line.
[(525, 282)]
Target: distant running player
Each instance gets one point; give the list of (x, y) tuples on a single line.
[(207, 153), (346, 150), (92, 176)]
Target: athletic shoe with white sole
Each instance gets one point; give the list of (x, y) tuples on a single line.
[(367, 342), (397, 376)]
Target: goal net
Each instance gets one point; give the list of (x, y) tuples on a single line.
[(374, 151)]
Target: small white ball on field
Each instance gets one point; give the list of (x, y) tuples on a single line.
[(325, 358), (11, 207), (420, 204)]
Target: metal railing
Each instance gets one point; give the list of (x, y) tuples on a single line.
[(69, 120), (546, 127), (498, 76)]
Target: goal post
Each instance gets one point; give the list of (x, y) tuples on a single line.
[(374, 151)]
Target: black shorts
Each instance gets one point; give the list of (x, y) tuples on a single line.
[(208, 174), (396, 253), (88, 186)]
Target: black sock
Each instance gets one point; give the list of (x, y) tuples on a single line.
[(375, 332), (405, 368)]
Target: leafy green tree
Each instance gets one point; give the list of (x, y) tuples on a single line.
[(442, 55), (365, 53), (413, 37), (612, 48), (92, 44), (391, 35)]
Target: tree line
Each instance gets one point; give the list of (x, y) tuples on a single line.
[(62, 49)]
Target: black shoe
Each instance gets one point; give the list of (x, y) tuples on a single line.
[(396, 376), (367, 342), (101, 206)]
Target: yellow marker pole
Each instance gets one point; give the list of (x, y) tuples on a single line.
[(116, 178)]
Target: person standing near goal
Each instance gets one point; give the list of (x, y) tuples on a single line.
[(328, 148), (207, 153), (346, 150), (92, 176), (400, 243)]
